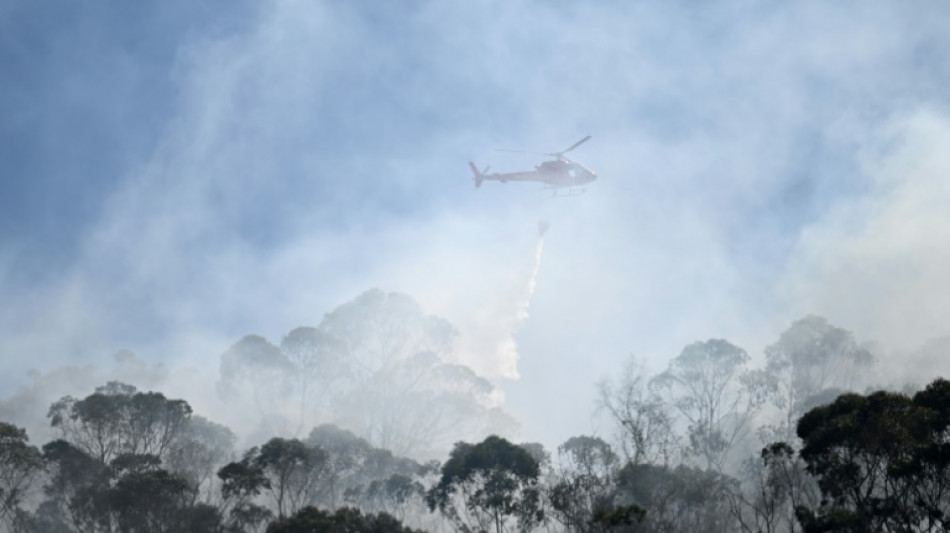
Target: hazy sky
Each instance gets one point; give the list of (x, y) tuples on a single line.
[(176, 174)]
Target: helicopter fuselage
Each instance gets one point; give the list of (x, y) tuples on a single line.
[(556, 174)]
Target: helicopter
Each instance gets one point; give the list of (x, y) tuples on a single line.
[(558, 174)]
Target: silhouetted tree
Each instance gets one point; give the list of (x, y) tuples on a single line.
[(78, 487), (157, 501), (487, 485), (582, 493), (345, 520), (107, 472), (360, 474), (20, 465), (682, 499), (776, 485), (199, 450), (881, 461), (117, 419), (241, 482), (293, 469), (398, 495)]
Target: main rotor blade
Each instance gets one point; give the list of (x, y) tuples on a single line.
[(521, 152), (555, 154), (575, 145)]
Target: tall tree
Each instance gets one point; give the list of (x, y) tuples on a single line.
[(376, 365), (398, 495), (810, 357), (645, 425), (292, 469), (492, 485), (711, 388), (776, 484), (317, 371), (20, 465), (242, 482), (403, 394), (353, 464), (683, 499), (584, 484), (108, 470), (78, 487), (255, 376), (345, 520), (929, 468), (199, 450), (862, 450), (157, 501), (116, 420)]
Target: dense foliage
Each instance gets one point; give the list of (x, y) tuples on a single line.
[(708, 444)]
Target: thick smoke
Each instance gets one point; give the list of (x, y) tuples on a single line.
[(878, 265), (311, 150)]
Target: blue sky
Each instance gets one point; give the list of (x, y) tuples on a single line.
[(178, 174)]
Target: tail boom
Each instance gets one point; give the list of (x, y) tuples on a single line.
[(477, 176)]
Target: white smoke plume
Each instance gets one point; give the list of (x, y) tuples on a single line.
[(878, 263), (487, 342)]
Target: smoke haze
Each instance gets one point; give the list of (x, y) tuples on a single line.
[(176, 177)]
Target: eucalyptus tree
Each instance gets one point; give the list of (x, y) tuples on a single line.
[(117, 419), (492, 485), (77, 489), (242, 482), (128, 461), (776, 484), (402, 391), (200, 449), (354, 467), (810, 358), (316, 372), (157, 501), (344, 520), (255, 377), (583, 489), (681, 499), (20, 466), (293, 471), (378, 366), (644, 420), (710, 386), (882, 461), (398, 495), (132, 494)]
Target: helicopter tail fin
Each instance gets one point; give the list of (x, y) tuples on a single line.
[(478, 176)]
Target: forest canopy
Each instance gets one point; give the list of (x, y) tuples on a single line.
[(367, 422)]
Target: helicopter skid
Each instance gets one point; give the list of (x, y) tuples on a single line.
[(558, 193)]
